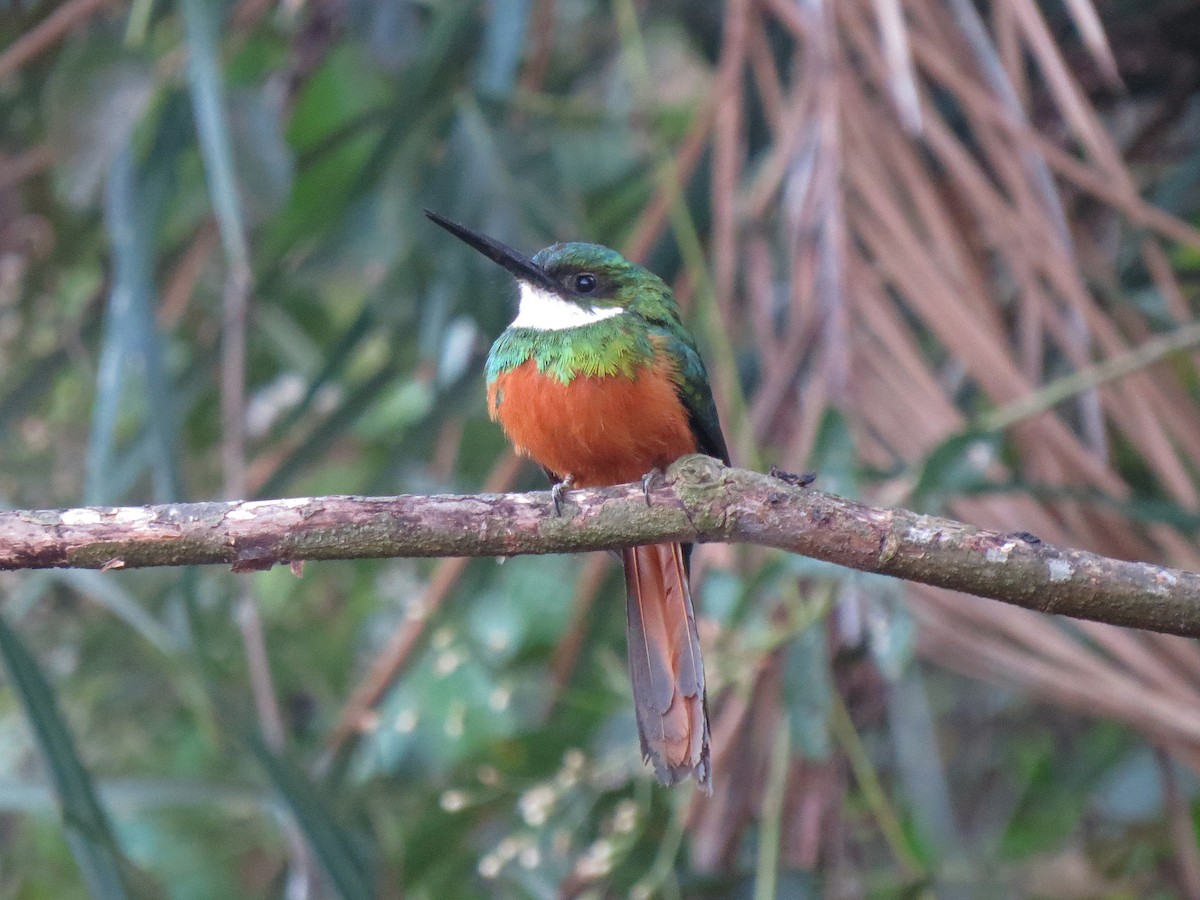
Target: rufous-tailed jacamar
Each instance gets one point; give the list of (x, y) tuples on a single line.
[(598, 381)]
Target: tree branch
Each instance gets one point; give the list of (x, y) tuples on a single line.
[(699, 500)]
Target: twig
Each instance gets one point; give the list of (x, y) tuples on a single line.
[(672, 176), (390, 663), (767, 873), (873, 793), (1181, 340), (700, 500), (385, 670), (46, 33)]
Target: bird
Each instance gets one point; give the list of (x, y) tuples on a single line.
[(599, 382)]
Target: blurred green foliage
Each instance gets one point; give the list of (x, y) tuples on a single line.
[(294, 146)]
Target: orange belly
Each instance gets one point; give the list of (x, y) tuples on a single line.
[(600, 430)]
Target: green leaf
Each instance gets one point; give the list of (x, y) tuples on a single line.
[(340, 854), (131, 207), (891, 631), (202, 25), (24, 393), (958, 465), (835, 454), (120, 602), (337, 356), (265, 167), (502, 45), (97, 95), (808, 691), (105, 868), (316, 444), (920, 766)]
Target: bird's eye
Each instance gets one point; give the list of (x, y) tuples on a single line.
[(584, 283)]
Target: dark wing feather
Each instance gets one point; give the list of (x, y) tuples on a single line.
[(694, 390)]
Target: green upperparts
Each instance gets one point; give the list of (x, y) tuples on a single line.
[(599, 322), (594, 277), (586, 310), (615, 346)]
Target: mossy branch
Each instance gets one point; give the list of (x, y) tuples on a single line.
[(699, 500)]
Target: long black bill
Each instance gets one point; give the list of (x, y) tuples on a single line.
[(520, 265)]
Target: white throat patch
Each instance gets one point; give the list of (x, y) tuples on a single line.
[(541, 310)]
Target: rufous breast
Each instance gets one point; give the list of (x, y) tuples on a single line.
[(599, 429)]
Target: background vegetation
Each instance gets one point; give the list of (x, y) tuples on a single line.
[(896, 225)]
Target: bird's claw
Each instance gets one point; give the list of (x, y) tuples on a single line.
[(648, 482), (558, 489)]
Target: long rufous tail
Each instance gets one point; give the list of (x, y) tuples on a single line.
[(665, 664)]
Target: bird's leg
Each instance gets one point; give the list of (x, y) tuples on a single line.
[(648, 482), (558, 489)]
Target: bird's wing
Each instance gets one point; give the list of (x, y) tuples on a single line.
[(693, 389)]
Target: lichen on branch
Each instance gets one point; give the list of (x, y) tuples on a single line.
[(699, 500)]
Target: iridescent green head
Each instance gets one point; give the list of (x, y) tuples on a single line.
[(571, 285)]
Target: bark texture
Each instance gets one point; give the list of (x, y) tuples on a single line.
[(699, 500)]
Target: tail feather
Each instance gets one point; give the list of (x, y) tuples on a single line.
[(665, 664)]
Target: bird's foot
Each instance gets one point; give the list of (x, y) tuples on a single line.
[(648, 482), (557, 491)]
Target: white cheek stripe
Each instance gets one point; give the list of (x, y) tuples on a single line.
[(543, 311)]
